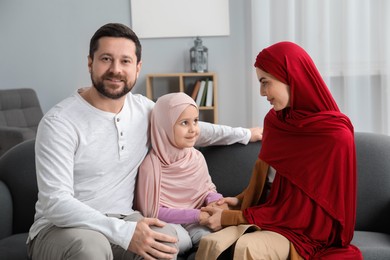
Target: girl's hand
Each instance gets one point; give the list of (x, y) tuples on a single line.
[(214, 220), (203, 216)]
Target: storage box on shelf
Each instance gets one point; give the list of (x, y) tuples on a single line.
[(160, 84)]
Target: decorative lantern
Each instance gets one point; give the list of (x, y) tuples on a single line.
[(199, 57)]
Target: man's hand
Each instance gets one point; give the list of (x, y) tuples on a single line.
[(149, 244), (214, 221), (256, 134)]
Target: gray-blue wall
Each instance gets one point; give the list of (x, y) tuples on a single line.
[(44, 45)]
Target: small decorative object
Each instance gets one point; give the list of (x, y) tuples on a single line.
[(199, 57)]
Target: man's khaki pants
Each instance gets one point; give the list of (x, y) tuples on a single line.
[(54, 243)]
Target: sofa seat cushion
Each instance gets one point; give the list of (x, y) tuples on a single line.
[(374, 245), (14, 247)]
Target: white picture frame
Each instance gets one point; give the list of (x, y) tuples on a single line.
[(180, 18)]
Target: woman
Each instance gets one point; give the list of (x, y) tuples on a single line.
[(309, 145)]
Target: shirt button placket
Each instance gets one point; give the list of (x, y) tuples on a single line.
[(120, 139)]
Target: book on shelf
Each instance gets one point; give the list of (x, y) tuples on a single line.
[(200, 93), (196, 90), (209, 97), (204, 94)]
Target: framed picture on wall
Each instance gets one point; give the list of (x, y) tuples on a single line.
[(180, 18)]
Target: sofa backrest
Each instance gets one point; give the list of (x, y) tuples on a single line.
[(17, 172), (373, 189), (20, 108), (231, 166)]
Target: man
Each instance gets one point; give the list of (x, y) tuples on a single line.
[(88, 149)]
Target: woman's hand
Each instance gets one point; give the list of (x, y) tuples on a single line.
[(231, 202), (214, 220), (218, 204)]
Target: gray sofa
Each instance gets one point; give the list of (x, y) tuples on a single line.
[(230, 167)]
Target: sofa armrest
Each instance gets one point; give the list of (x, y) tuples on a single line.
[(11, 136), (5, 212)]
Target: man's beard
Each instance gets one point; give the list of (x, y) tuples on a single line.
[(104, 90)]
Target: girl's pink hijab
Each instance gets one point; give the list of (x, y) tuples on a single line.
[(169, 176)]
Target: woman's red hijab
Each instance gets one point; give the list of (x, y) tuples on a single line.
[(311, 143)]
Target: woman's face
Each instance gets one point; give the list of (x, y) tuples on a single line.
[(277, 93)]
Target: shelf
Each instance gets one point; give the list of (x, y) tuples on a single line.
[(163, 83)]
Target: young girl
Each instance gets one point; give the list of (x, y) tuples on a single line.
[(173, 180)]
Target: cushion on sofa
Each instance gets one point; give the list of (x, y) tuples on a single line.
[(230, 166), (373, 190), (372, 229), (373, 245)]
